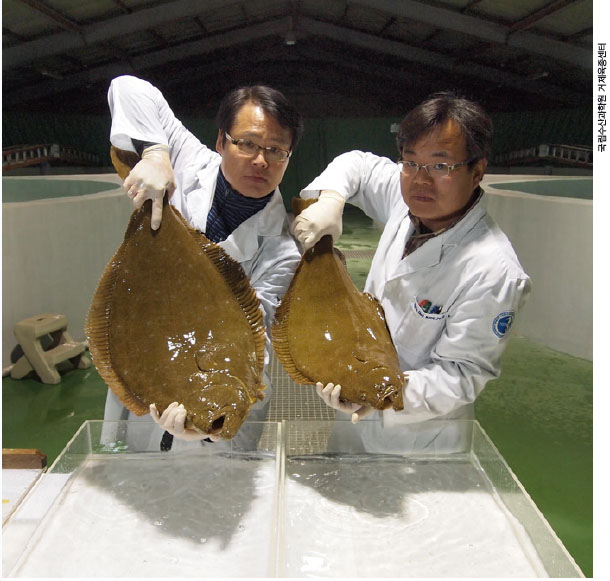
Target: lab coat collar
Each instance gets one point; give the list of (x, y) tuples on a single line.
[(429, 254), (242, 244), (207, 177)]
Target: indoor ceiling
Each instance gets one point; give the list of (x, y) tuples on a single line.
[(331, 57)]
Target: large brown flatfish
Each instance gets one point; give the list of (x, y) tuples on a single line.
[(326, 330), (174, 318)]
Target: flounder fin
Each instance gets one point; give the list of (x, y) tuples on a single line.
[(377, 306), (279, 334), (123, 161), (97, 329), (97, 325), (279, 339), (299, 204)]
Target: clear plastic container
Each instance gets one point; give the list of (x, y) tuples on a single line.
[(313, 499)]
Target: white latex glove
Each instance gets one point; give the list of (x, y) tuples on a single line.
[(331, 396), (172, 421), (323, 217), (149, 179)]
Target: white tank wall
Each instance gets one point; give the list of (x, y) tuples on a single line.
[(53, 253), (553, 238)]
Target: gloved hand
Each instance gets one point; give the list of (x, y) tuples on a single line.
[(172, 421), (331, 396), (323, 217), (149, 179)]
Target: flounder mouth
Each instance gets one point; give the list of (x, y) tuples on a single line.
[(387, 392), (221, 407), (225, 423), (388, 401)]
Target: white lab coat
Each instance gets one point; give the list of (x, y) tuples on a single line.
[(262, 244), (471, 271)]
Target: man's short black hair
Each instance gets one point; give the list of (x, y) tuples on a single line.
[(442, 107), (273, 103)]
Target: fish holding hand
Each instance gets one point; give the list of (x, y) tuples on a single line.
[(174, 319), (327, 331)]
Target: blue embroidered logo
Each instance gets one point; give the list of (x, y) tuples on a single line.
[(503, 322)]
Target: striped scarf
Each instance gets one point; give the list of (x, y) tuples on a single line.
[(229, 209)]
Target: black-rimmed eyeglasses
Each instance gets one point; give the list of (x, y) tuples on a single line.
[(250, 148), (434, 170)]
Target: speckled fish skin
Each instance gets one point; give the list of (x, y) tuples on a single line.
[(174, 318), (327, 331)]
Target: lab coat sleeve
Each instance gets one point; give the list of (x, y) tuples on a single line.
[(139, 111), (273, 270), (364, 179), (468, 353)]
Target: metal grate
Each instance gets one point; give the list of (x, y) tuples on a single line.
[(294, 401), (359, 254)]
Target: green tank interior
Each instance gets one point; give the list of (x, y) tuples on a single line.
[(27, 190), (562, 188)]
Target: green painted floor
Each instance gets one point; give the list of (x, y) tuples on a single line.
[(538, 414)]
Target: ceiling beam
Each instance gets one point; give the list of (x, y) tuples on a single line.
[(437, 60), (310, 56), (23, 53), (137, 64), (485, 29), (211, 43), (53, 15), (140, 63), (53, 44), (581, 33), (539, 14)]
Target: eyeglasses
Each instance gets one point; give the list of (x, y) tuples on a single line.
[(248, 147), (434, 170)]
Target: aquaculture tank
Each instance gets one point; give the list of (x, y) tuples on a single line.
[(433, 500)]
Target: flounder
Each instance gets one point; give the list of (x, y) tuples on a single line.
[(326, 330), (174, 318)]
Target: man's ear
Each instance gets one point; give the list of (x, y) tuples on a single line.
[(220, 141), (478, 171)]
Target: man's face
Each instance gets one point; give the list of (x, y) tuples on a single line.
[(437, 201), (252, 175)]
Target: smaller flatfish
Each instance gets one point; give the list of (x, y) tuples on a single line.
[(174, 318), (326, 330)]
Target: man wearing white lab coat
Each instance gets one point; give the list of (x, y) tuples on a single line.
[(445, 274), (230, 194)]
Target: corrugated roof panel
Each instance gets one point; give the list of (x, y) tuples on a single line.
[(265, 9), (25, 21), (85, 12), (366, 19), (228, 16), (324, 9), (183, 29), (507, 11), (408, 30), (568, 20)]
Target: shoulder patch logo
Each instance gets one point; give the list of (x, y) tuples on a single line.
[(502, 323)]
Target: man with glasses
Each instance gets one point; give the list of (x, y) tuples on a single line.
[(446, 275), (231, 194)]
